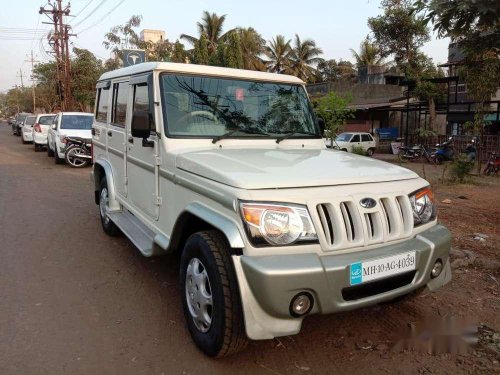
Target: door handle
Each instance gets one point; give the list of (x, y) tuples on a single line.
[(110, 133), (130, 140)]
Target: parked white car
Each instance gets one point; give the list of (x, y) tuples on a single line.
[(27, 129), (227, 168), (346, 142), (67, 124), (41, 129)]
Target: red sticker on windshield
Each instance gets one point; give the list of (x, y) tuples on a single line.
[(240, 94)]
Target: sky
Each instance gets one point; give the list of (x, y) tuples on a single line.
[(335, 25)]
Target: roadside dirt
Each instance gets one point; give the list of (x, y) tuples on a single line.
[(73, 300)]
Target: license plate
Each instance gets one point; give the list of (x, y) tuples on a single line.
[(362, 272)]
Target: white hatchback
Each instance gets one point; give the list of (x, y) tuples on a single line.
[(27, 129), (347, 141), (67, 124), (41, 129)]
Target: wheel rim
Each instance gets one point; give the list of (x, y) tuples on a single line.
[(72, 159), (199, 295), (103, 205)]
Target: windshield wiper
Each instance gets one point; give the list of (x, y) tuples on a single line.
[(230, 133), (291, 134)]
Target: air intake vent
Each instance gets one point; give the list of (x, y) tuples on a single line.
[(350, 222), (326, 218)]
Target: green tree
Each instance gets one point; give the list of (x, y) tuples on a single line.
[(19, 99), (252, 48), (179, 54), (86, 70), (47, 91), (121, 36), (201, 54), (331, 70), (279, 54), (234, 55), (304, 57), (333, 109), (212, 26), (399, 32), (369, 54)]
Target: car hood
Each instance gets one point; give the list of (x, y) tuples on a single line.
[(271, 168)]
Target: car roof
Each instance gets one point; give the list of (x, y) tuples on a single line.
[(354, 133), (200, 70), (75, 113)]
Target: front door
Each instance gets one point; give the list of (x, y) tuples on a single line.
[(141, 160), (116, 134)]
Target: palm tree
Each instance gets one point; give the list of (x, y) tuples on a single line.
[(303, 56), (212, 25), (252, 48), (279, 52), (369, 54)]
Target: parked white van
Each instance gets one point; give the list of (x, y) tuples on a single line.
[(228, 168)]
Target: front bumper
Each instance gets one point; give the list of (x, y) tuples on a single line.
[(274, 280)]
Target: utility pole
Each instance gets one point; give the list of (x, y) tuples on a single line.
[(59, 40), (20, 75), (33, 61)]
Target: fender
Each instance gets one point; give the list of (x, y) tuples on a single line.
[(223, 223), (113, 204)]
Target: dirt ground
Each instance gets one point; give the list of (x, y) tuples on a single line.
[(73, 300)]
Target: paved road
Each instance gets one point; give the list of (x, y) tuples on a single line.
[(75, 301)]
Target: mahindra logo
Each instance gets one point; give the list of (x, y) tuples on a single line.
[(368, 203)]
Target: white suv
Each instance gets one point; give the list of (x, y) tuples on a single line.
[(67, 124), (41, 129), (228, 168), (347, 141), (27, 129)]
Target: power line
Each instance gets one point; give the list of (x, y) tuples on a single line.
[(102, 18), (91, 13), (84, 7)]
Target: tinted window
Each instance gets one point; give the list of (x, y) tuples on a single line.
[(30, 120), (207, 107), (344, 137), (76, 122), (46, 120), (120, 99), (141, 98), (355, 138), (102, 105), (365, 138)]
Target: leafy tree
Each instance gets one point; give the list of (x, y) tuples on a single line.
[(331, 70), (121, 35), (86, 70), (47, 91), (19, 99), (212, 27), (234, 55), (369, 54), (333, 109), (201, 54), (252, 48), (399, 32), (303, 56), (279, 53), (179, 54)]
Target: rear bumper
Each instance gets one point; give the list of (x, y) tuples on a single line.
[(273, 281), (40, 138)]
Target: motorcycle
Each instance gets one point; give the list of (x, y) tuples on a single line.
[(444, 152), (493, 164), (470, 150), (414, 153), (78, 152)]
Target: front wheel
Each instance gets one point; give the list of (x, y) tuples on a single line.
[(402, 156), (108, 226), (73, 160), (50, 153), (370, 151), (210, 295)]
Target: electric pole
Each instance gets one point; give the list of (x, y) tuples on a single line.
[(20, 75), (33, 61), (59, 40)]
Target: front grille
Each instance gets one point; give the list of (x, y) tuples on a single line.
[(373, 288), (346, 224)]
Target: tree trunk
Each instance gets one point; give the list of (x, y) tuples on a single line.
[(432, 113)]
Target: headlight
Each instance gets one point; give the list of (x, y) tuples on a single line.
[(422, 203), (277, 224)]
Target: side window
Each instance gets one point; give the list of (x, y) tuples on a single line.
[(141, 98), (365, 138), (355, 138), (102, 105), (120, 100)]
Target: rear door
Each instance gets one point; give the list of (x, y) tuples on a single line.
[(51, 135), (116, 134), (355, 141), (366, 141)]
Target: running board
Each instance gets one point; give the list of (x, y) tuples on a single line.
[(140, 235)]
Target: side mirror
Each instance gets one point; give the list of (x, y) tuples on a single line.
[(141, 124), (322, 125)]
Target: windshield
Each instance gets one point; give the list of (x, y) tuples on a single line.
[(344, 137), (21, 118), (46, 120), (77, 122), (205, 107), (30, 120)]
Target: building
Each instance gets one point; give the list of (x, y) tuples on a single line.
[(153, 36)]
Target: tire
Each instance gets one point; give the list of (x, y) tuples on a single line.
[(344, 149), (38, 147), (107, 225), (488, 170), (23, 141), (57, 159), (439, 159), (370, 152), (50, 153), (208, 254), (401, 156), (71, 162)]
